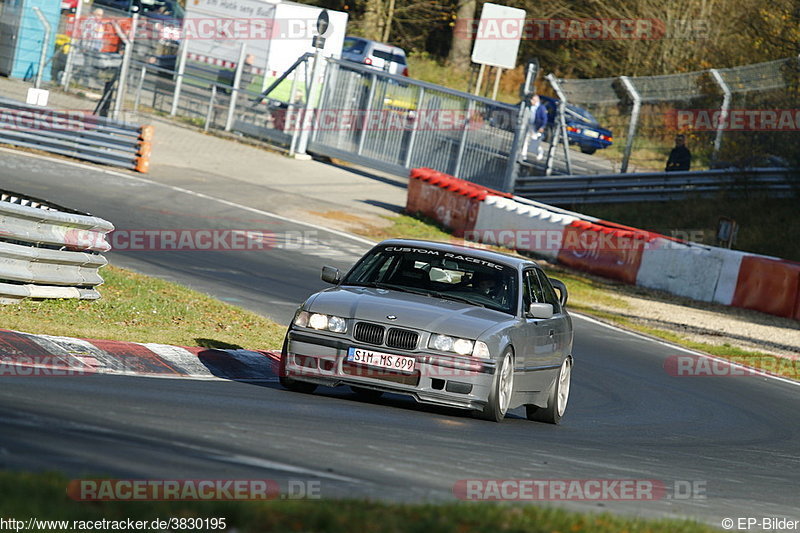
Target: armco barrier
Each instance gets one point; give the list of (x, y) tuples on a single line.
[(769, 285), (506, 222), (452, 202), (610, 250), (47, 253), (76, 134)]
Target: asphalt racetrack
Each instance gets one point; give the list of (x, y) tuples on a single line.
[(721, 446)]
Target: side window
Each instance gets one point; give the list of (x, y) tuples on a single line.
[(532, 291), (549, 293)]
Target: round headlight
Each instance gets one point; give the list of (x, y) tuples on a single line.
[(337, 324), (462, 346), (318, 321), (481, 350), (301, 319), (443, 343)]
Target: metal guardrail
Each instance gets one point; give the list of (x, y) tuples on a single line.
[(75, 134), (49, 253), (658, 186)]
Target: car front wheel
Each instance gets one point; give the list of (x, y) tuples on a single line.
[(557, 400), (502, 388)]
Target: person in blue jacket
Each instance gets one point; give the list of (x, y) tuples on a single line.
[(537, 122)]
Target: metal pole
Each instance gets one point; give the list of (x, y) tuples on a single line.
[(562, 108), (237, 79), (290, 104), (323, 101), (45, 43), (139, 89), (551, 150), (126, 61), (302, 142), (463, 142), (414, 128), (548, 171), (637, 105), (299, 118), (723, 111), (497, 74), (480, 79), (211, 102), (179, 80), (367, 112), (512, 167), (76, 36)]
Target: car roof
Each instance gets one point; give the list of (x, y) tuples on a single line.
[(488, 255), (379, 45)]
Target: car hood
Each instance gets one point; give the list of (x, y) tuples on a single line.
[(412, 311)]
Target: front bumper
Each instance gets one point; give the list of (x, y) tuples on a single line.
[(437, 379)]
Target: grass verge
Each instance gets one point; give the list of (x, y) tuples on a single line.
[(140, 308), (43, 496)]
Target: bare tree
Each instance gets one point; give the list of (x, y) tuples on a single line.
[(461, 45)]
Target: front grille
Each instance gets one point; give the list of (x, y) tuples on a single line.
[(369, 333), (403, 339)]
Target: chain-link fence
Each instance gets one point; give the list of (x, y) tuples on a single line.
[(741, 116)]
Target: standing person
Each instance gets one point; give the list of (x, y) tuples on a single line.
[(680, 158), (537, 122), (93, 31)]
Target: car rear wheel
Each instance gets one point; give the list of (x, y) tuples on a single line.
[(291, 383), (557, 400), (502, 389), (588, 150), (368, 395)]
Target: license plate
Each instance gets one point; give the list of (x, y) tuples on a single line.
[(388, 361), (590, 133)]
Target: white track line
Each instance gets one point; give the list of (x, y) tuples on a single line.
[(196, 194), (353, 238), (734, 364)]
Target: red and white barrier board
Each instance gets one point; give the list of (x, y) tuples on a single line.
[(610, 250)]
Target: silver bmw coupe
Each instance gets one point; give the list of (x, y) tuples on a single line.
[(448, 325)]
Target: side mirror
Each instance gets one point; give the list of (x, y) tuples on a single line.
[(559, 286), (540, 310), (331, 275)]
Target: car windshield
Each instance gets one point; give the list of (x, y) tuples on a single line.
[(353, 46), (581, 114), (437, 273)]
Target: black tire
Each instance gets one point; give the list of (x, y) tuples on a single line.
[(494, 410), (553, 413), (587, 150), (368, 395), (291, 383)]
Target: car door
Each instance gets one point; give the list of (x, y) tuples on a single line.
[(560, 324), (538, 361)]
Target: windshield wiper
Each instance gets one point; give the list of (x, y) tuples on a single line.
[(389, 286), (459, 299)]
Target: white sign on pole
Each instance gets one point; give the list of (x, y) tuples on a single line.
[(497, 37)]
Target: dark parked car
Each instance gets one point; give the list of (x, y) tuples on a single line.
[(444, 324), (582, 128)]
